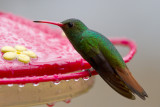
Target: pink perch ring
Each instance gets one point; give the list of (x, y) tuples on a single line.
[(82, 74)]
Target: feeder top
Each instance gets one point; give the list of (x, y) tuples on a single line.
[(52, 52)]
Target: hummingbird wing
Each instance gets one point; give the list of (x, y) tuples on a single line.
[(110, 76), (106, 60)]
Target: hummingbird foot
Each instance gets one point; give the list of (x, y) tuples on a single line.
[(89, 71)]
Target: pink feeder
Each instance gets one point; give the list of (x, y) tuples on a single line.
[(40, 64)]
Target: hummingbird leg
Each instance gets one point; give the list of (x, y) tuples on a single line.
[(89, 71)]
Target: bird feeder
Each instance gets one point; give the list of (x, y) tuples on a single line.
[(38, 65)]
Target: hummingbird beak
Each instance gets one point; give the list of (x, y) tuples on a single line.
[(54, 23)]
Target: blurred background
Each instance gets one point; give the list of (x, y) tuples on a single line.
[(138, 20)]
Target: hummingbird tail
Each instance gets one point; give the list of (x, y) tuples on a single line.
[(132, 84)]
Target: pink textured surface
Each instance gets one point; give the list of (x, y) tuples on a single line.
[(55, 53), (56, 56)]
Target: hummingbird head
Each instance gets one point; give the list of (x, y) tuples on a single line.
[(71, 27)]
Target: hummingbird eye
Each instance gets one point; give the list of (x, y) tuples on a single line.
[(70, 24)]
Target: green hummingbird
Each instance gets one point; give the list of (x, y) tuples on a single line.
[(101, 54)]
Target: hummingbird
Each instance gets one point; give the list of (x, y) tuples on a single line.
[(101, 54)]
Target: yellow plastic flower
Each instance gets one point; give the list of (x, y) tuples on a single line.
[(20, 52)]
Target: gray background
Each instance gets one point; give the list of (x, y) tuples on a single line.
[(135, 19)]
